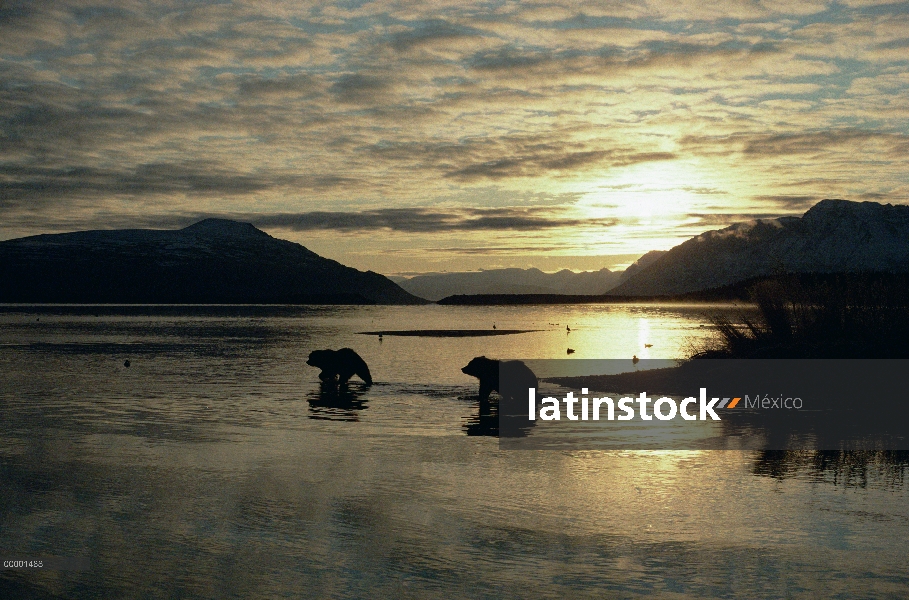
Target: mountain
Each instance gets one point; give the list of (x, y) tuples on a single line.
[(435, 286), (834, 236), (212, 261), (641, 263)]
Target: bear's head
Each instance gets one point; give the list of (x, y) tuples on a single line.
[(481, 367), (320, 358)]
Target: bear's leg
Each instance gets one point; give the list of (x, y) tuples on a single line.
[(362, 372), (344, 376), (485, 390), (327, 375)]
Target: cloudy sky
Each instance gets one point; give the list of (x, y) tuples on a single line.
[(445, 135)]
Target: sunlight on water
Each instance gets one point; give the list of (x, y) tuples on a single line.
[(644, 338), (215, 466)]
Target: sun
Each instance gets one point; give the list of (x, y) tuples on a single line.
[(655, 192), (652, 205)]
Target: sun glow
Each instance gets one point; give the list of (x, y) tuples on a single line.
[(652, 203), (654, 192)]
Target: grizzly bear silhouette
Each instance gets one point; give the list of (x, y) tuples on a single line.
[(339, 365), (516, 375)]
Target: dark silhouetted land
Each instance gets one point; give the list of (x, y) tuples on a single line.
[(449, 332), (737, 292), (834, 236), (214, 261), (435, 286)]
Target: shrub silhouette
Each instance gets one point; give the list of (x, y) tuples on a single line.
[(818, 316)]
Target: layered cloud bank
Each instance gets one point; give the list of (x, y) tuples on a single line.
[(578, 130)]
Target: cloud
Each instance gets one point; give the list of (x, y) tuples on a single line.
[(278, 87), (478, 250), (788, 203), (544, 162), (884, 144), (324, 110), (801, 143), (413, 220), (20, 185), (898, 44), (358, 88), (431, 33), (714, 220), (704, 191), (24, 188), (424, 220)]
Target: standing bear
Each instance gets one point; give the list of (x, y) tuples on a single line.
[(516, 378), (339, 365)]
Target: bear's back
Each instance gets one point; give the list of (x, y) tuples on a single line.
[(348, 358), (516, 378)]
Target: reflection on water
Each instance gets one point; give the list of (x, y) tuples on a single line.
[(484, 419), (216, 466), (337, 402), (850, 468)]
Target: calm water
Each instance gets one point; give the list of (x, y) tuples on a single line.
[(213, 467)]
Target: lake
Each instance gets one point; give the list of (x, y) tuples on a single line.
[(214, 467)]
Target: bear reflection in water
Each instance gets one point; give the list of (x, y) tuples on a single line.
[(334, 402), (511, 379)]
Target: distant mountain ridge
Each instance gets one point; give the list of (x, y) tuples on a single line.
[(834, 236), (212, 261), (435, 286)]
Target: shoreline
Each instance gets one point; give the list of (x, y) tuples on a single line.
[(449, 332)]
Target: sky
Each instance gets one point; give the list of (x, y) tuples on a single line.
[(409, 137)]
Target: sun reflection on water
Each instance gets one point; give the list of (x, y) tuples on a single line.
[(643, 338)]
